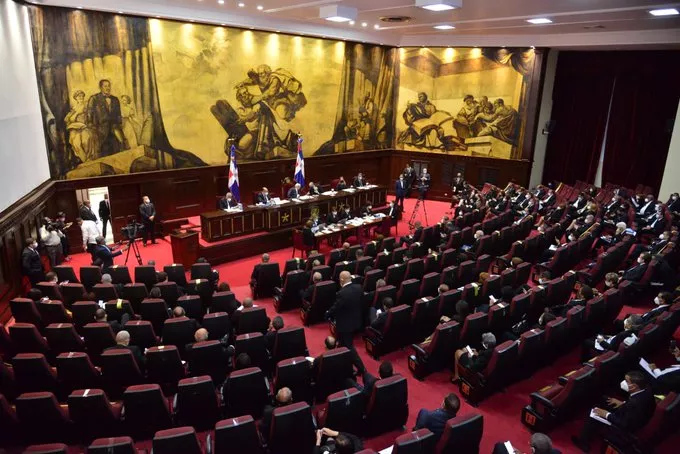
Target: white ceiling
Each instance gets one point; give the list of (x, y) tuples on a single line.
[(576, 23)]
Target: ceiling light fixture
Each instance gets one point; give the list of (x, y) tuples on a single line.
[(241, 5), (337, 13), (364, 24), (260, 7), (221, 2), (664, 12), (439, 5), (351, 22), (444, 27), (376, 26), (539, 21)]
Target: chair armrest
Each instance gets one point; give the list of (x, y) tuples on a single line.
[(372, 333), (419, 351), (584, 277), (537, 398)]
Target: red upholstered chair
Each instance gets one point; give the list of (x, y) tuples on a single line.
[(416, 442), (554, 402), (50, 290), (371, 278), (224, 302), (288, 297), (408, 291), (255, 346), (94, 416), (252, 320), (415, 269), (197, 402), (344, 410), (462, 435), (531, 349), (135, 293), (449, 257), (292, 429), (154, 310), (387, 407), (607, 367), (290, 342), (120, 370), (447, 302), (98, 337), (76, 371), (192, 305), (24, 310), (322, 299), (47, 448), (208, 358), (41, 409), (104, 292), (218, 325), (83, 313), (430, 284), (27, 339), (146, 410), (7, 349), (63, 337), (176, 274), (424, 318), (90, 276), (472, 329), (146, 274), (293, 373), (141, 334), (556, 338), (169, 292), (332, 371), (32, 373), (299, 243), (576, 321), (112, 445), (180, 439), (474, 386), (72, 292), (66, 273), (164, 366), (392, 335), (235, 435), (523, 272), (178, 332), (436, 353), (120, 274), (53, 311)]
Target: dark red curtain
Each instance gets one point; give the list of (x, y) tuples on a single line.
[(644, 106), (581, 97)]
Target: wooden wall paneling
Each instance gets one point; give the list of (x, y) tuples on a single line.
[(125, 201)]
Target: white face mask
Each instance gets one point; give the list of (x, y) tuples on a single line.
[(657, 301), (661, 236), (35, 245), (640, 261), (624, 386)]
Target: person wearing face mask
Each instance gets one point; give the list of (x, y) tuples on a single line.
[(148, 213), (662, 302), (333, 217), (665, 380), (346, 213), (473, 247), (611, 280), (627, 416), (400, 190), (595, 346), (656, 222), (263, 196), (654, 247), (646, 208), (31, 264), (478, 360), (635, 273), (673, 205)]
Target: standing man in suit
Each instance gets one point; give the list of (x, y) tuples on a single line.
[(346, 311), (627, 416), (359, 181), (294, 192), (228, 202), (425, 180), (31, 263), (435, 420), (86, 212), (105, 213), (104, 254), (401, 190), (263, 196), (410, 176), (148, 213), (105, 121)]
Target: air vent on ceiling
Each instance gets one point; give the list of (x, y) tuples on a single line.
[(395, 19), (593, 27)]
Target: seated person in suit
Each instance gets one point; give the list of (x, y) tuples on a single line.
[(359, 181), (346, 213), (202, 335), (476, 239), (294, 192), (100, 316), (342, 184), (228, 201), (635, 273), (103, 254), (256, 269), (123, 343), (435, 420), (476, 362), (385, 370), (584, 294), (654, 247), (594, 346), (409, 239), (539, 444), (270, 336), (644, 208), (378, 317), (263, 196), (345, 443), (308, 238), (178, 312), (623, 416), (367, 210), (313, 189), (662, 302), (283, 397), (666, 380), (308, 293), (656, 222), (333, 217)]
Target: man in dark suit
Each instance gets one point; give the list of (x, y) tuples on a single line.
[(255, 274), (666, 380), (385, 370), (313, 189), (342, 184), (86, 213), (656, 222), (346, 311), (31, 264), (400, 190), (346, 213), (105, 213), (270, 336), (283, 397), (378, 317), (359, 181), (623, 416), (105, 121), (263, 196), (594, 346), (103, 254), (393, 212), (646, 208), (410, 176), (635, 273), (478, 360), (116, 326), (673, 204), (178, 312), (367, 210), (309, 291), (148, 213), (435, 420), (123, 343), (333, 217), (228, 202), (409, 239), (425, 180), (294, 192)]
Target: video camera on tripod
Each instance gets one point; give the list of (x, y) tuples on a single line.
[(132, 231)]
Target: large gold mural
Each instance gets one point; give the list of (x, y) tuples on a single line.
[(128, 94), (463, 101)]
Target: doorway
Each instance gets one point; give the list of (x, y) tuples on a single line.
[(96, 197)]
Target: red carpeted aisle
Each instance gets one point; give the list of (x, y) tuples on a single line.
[(501, 411)]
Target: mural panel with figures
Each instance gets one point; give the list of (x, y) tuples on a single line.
[(464, 101), (126, 94)]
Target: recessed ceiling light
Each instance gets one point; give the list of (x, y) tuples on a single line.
[(80, 7), (221, 2), (539, 21), (158, 17), (364, 24), (260, 7), (120, 12), (223, 25), (241, 5), (439, 5), (351, 22), (337, 13), (444, 27), (376, 26), (664, 12)]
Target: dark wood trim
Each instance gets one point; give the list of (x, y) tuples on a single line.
[(533, 104)]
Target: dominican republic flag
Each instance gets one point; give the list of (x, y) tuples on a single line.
[(300, 165), (233, 175)]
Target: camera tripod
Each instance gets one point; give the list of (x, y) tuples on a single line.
[(414, 214), (132, 246)]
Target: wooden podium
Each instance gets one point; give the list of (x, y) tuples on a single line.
[(184, 248)]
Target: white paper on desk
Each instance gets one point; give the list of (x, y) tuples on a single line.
[(328, 193), (350, 190), (387, 450), (509, 447), (656, 373), (597, 418), (282, 202)]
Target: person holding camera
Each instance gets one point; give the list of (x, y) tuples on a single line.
[(329, 441), (51, 238)]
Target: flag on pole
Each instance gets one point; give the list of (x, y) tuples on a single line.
[(299, 176), (233, 175)]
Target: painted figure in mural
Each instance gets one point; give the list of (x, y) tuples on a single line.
[(76, 125), (485, 106), (105, 121), (132, 130), (466, 123), (502, 124), (366, 110), (419, 110), (420, 119), (279, 90)]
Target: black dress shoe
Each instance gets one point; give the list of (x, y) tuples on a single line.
[(580, 444)]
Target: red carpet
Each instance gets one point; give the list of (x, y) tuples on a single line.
[(501, 411)]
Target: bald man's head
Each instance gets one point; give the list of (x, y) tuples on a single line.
[(284, 396), (345, 277), (201, 335), (123, 338), (247, 303)]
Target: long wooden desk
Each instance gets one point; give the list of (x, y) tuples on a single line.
[(220, 225)]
